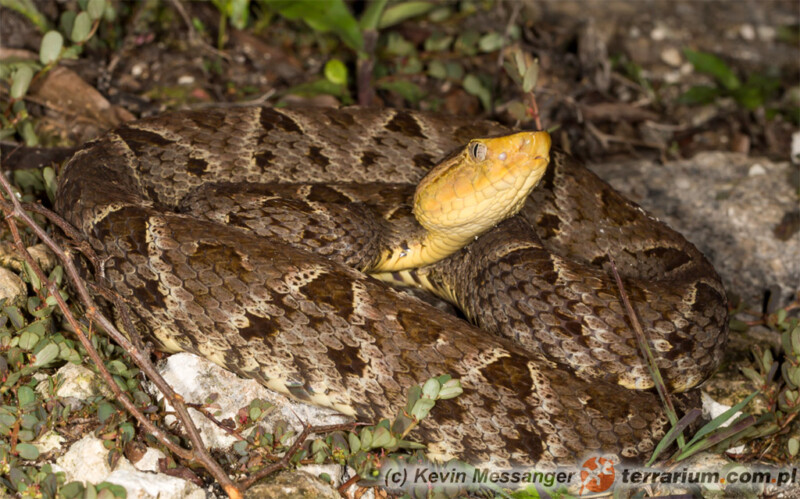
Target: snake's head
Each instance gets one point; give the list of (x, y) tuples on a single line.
[(481, 186)]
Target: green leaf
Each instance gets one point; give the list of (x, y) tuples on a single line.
[(25, 396), (323, 16), (20, 81), (50, 49), (27, 451), (437, 69), (71, 490), (451, 389), (67, 21), (490, 42), (46, 355), (431, 389), (28, 9), (793, 446), (28, 340), (408, 90), (714, 66), (336, 72), (719, 420), (422, 408), (372, 15), (699, 95), (473, 85), (95, 9), (81, 28), (400, 12), (238, 12), (105, 411)]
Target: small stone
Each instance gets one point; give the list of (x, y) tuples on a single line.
[(79, 384), (86, 461), (766, 33), (43, 256), (149, 461), (186, 80), (795, 154), (49, 442), (12, 287), (141, 485), (747, 32), (672, 57), (756, 170), (659, 33)]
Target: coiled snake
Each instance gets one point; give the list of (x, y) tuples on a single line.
[(231, 234)]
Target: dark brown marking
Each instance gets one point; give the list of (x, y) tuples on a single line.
[(616, 209), (264, 158), (272, 119), (330, 290), (347, 360), (316, 156), (549, 224), (369, 158), (424, 161), (405, 123), (140, 139), (670, 258), (260, 327), (321, 193), (197, 166)]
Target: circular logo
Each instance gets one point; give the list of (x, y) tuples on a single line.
[(597, 475)]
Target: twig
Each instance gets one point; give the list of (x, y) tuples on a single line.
[(287, 456), (14, 209), (644, 347)]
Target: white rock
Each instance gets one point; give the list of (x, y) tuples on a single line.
[(747, 32), (755, 170), (141, 485), (48, 442), (43, 256), (79, 384), (149, 461), (671, 56), (12, 287), (795, 155), (195, 379), (86, 461)]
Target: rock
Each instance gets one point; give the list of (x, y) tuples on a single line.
[(49, 442), (733, 208), (12, 288), (79, 384), (141, 485), (292, 485), (86, 461), (196, 379), (43, 256)]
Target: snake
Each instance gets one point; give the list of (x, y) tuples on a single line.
[(271, 241)]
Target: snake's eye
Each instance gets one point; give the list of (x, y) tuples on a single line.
[(478, 151)]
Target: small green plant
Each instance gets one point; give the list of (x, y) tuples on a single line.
[(777, 382), (752, 94), (79, 28)]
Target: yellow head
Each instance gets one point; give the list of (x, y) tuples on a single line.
[(482, 185)]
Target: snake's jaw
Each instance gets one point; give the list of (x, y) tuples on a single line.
[(479, 188)]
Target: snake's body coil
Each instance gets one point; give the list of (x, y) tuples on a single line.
[(550, 369)]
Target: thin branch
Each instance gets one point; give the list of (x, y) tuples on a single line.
[(14, 209), (287, 456), (644, 347)]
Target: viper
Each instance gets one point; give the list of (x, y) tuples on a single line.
[(246, 235)]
